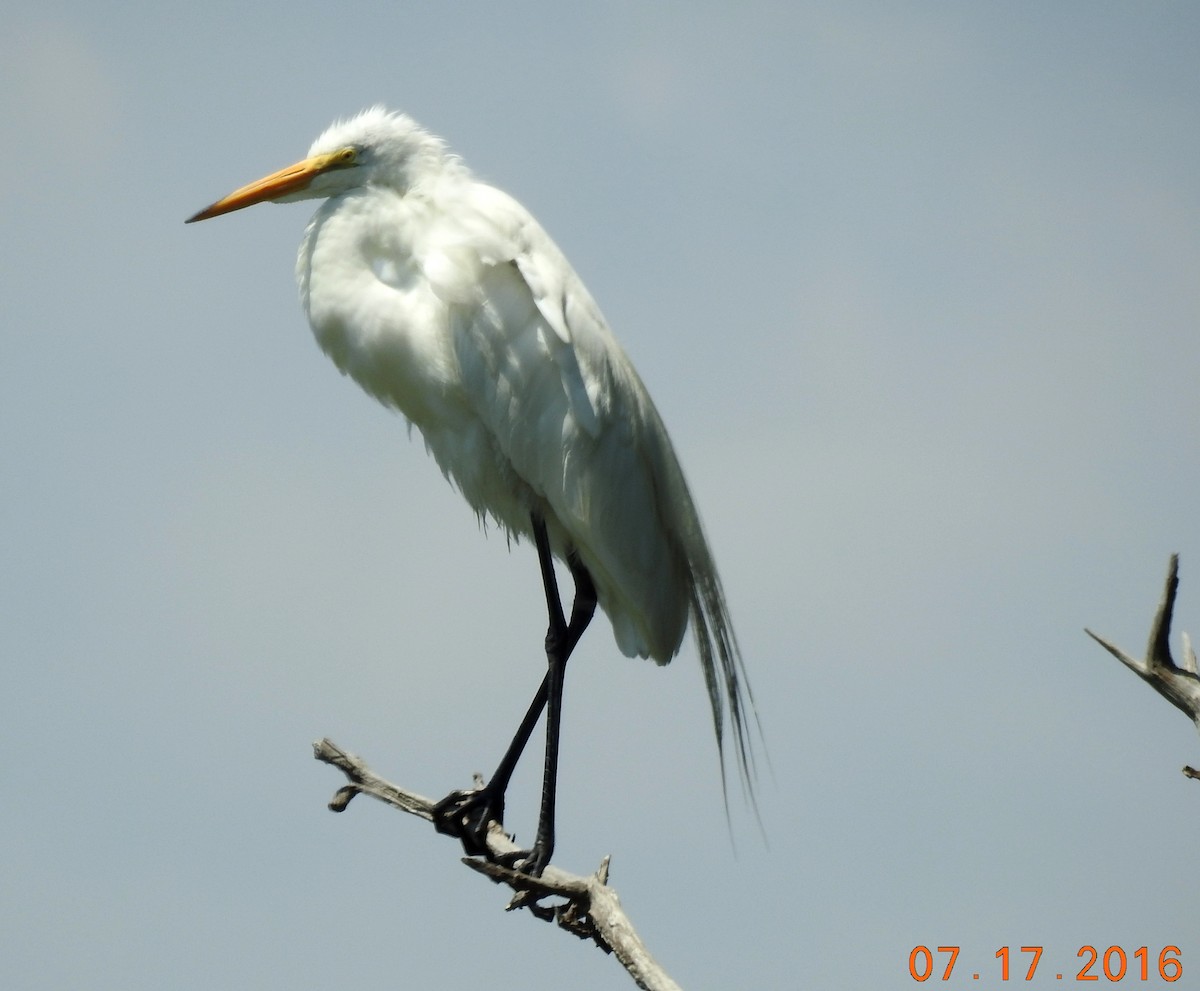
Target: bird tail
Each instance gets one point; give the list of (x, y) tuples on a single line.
[(735, 717)]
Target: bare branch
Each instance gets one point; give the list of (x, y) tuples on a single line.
[(364, 780), (589, 908), (1178, 684)]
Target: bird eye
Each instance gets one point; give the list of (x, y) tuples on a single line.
[(346, 157)]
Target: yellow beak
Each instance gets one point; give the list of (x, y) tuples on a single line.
[(289, 180)]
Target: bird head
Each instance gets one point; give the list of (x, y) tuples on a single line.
[(375, 147)]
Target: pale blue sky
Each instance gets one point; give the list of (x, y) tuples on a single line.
[(915, 287)]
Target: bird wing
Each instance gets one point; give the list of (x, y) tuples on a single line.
[(462, 255), (581, 432), (569, 419)]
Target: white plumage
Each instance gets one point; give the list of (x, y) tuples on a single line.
[(445, 300)]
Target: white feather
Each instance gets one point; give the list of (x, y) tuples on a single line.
[(444, 299)]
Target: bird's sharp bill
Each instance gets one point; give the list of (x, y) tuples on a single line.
[(290, 180)]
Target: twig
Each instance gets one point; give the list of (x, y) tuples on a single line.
[(1178, 684), (589, 908)]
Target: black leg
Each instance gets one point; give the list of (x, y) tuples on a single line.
[(561, 638), (467, 814)]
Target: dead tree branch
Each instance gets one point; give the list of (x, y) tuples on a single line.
[(1178, 684), (588, 908)]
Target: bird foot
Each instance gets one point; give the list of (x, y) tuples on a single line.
[(531, 862), (468, 815)]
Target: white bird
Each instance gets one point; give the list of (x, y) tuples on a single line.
[(445, 300)]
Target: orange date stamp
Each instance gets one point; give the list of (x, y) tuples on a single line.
[(1111, 964)]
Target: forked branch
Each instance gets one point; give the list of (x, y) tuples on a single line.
[(1178, 684), (585, 906)]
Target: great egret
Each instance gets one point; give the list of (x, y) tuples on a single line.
[(444, 299)]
